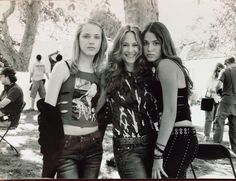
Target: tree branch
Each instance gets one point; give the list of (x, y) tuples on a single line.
[(10, 10), (5, 31)]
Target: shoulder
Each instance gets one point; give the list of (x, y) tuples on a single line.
[(61, 66), (167, 64), (16, 89)]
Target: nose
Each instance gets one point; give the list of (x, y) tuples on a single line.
[(130, 48), (91, 40), (150, 47)]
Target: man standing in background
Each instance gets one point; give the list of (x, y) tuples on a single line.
[(54, 61), (37, 72), (227, 106)]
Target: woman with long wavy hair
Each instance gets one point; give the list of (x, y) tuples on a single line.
[(176, 144), (134, 109)]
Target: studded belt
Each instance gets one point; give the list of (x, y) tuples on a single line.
[(143, 140), (183, 130)]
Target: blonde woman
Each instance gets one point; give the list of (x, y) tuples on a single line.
[(73, 89)]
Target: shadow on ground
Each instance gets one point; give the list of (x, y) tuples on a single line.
[(28, 165)]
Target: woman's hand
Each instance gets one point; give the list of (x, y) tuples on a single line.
[(157, 169)]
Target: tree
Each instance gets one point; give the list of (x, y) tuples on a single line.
[(106, 18), (223, 30), (140, 12), (19, 58)]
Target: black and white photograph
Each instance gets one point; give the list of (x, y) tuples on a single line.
[(117, 89)]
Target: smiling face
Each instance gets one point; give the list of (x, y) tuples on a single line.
[(151, 47), (90, 39), (130, 48)]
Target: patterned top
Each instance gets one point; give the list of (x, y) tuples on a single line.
[(135, 111), (84, 99)]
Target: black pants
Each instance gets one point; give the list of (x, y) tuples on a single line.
[(180, 151)]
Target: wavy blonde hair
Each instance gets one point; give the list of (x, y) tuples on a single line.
[(114, 74)]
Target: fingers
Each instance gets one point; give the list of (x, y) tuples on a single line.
[(164, 173), (157, 174)]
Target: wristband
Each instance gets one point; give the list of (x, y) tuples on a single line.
[(160, 144), (159, 149), (158, 156)]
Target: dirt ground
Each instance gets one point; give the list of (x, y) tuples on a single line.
[(28, 165)]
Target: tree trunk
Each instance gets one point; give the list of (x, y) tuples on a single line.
[(26, 46), (20, 59), (141, 12)]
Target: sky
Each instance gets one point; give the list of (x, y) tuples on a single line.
[(178, 15)]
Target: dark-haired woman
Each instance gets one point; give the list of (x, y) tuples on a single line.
[(176, 144), (211, 92)]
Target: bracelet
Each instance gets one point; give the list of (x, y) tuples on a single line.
[(160, 144), (158, 156), (159, 149)]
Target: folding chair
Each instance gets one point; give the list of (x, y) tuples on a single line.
[(213, 151), (12, 119)]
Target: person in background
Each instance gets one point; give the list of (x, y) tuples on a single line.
[(177, 143), (227, 105), (11, 98), (71, 98), (54, 61), (134, 109), (211, 92), (37, 72)]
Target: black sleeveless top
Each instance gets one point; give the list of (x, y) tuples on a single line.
[(183, 108)]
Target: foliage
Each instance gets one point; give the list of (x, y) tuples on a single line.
[(224, 29), (106, 18)]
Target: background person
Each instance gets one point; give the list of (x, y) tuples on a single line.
[(227, 105), (11, 98), (37, 72), (211, 92), (54, 61)]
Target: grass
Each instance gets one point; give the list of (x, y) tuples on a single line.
[(28, 165)]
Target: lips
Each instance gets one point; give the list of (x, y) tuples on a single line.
[(150, 54), (130, 55), (91, 48)]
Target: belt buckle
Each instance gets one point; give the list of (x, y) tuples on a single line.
[(144, 140)]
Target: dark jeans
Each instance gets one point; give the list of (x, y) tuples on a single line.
[(180, 151), (81, 157), (134, 160), (219, 124), (209, 118)]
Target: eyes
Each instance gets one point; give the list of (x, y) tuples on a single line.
[(88, 36), (127, 44), (154, 43)]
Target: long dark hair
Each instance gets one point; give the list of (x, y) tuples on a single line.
[(168, 50), (115, 72), (217, 69)]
